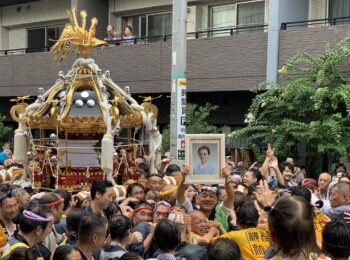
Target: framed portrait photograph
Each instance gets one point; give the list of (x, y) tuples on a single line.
[(205, 155)]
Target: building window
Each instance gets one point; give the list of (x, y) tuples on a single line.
[(53, 34), (138, 27), (251, 13), (39, 39), (223, 16), (150, 25), (240, 14), (339, 8), (36, 40), (159, 25)]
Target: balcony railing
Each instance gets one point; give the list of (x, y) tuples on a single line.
[(219, 32), (321, 22)]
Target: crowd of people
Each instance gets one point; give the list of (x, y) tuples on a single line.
[(270, 210)]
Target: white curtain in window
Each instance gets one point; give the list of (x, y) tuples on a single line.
[(223, 16), (339, 8), (251, 13), (159, 25)]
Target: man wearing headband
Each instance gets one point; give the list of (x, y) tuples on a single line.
[(142, 217), (143, 212), (61, 227), (55, 203), (8, 210), (207, 199), (161, 211), (34, 224)]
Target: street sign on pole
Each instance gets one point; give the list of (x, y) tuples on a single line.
[(178, 81)]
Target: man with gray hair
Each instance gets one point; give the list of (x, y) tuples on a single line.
[(22, 197), (113, 37), (323, 182)]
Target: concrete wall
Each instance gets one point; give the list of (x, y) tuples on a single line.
[(214, 64), (292, 41), (17, 38), (16, 19), (40, 11), (14, 23)]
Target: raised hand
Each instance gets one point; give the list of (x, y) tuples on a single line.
[(270, 152), (185, 170), (264, 196), (273, 162), (226, 172)]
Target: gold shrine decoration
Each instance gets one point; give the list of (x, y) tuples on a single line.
[(148, 107), (19, 108), (76, 38)]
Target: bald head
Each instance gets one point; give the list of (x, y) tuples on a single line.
[(343, 188), (323, 181), (197, 214), (340, 194), (199, 222)]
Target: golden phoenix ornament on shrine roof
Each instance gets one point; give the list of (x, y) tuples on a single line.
[(75, 38)]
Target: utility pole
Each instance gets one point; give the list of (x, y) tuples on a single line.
[(178, 81)]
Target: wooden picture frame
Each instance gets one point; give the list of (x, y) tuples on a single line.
[(205, 155)]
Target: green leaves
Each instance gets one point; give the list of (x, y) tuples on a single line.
[(312, 109), (196, 118), (3, 129)]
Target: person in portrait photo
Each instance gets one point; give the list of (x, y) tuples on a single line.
[(205, 167)]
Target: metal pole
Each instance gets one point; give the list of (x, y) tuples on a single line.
[(178, 80)]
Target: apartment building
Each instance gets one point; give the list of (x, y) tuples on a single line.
[(233, 46)]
